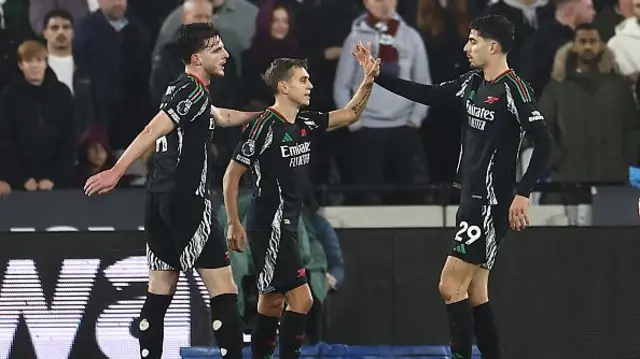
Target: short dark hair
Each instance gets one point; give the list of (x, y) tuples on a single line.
[(280, 70), (586, 26), (61, 13), (495, 27), (194, 38)]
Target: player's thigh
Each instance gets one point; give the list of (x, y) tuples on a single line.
[(218, 280), (455, 278), (299, 299), (160, 249), (290, 272), (197, 235), (163, 282), (474, 233), (271, 304), (479, 287), (276, 258)]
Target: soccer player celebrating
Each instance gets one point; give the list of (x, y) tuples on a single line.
[(500, 110), (180, 229), (277, 148)]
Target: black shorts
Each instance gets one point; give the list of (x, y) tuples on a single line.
[(480, 230), (182, 233), (276, 257)]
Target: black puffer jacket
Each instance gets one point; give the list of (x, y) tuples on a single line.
[(37, 135)]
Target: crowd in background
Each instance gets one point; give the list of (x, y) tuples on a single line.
[(80, 78)]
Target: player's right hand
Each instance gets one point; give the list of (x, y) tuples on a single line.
[(236, 237), (101, 183)]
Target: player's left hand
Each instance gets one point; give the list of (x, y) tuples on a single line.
[(370, 65), (101, 183), (518, 218)]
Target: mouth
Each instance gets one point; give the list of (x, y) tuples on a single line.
[(307, 95)]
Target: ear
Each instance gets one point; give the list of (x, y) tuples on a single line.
[(283, 88), (195, 59)]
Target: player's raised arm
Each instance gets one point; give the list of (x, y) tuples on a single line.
[(421, 93), (225, 117), (354, 108)]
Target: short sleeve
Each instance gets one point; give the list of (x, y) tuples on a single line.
[(256, 138), (314, 121), (184, 102)]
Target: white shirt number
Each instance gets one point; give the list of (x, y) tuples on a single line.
[(471, 232)]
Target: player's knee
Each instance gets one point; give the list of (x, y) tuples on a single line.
[(271, 305), (163, 282), (478, 294), (451, 289)]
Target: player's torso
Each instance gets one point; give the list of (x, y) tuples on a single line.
[(182, 156), (490, 141), (281, 172)]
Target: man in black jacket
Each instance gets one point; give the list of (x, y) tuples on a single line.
[(224, 90), (37, 137)]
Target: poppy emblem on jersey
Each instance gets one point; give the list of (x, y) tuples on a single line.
[(303, 132), (249, 148), (491, 99), (184, 106)]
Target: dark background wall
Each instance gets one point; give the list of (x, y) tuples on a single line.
[(558, 292)]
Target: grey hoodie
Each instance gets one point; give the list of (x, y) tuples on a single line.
[(384, 109)]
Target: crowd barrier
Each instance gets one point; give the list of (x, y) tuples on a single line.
[(123, 210), (557, 293)]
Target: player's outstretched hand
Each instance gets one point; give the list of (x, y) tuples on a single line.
[(101, 183), (518, 218), (370, 65), (236, 237)]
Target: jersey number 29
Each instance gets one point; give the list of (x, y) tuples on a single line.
[(470, 233), (161, 144)]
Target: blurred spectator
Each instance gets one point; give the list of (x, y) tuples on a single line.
[(38, 9), (387, 135), (58, 33), (612, 13), (14, 15), (14, 29), (236, 20), (224, 91), (94, 155), (525, 15), (9, 41), (152, 13), (275, 37), (322, 45), (445, 31), (36, 125), (536, 59), (114, 50), (591, 113), (625, 44)]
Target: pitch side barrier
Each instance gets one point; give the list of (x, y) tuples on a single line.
[(558, 292)]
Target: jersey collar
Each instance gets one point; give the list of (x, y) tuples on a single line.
[(197, 79)]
